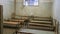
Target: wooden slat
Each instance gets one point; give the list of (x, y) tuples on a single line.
[(10, 22), (15, 20), (33, 16), (43, 18), (40, 24), (23, 18), (41, 21), (41, 28)]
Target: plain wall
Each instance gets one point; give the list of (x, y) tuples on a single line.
[(44, 9), (8, 8), (56, 10)]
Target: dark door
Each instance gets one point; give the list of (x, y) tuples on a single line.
[(1, 19)]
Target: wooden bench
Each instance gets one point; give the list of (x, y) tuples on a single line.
[(12, 24)]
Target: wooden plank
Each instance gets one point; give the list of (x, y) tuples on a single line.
[(21, 18), (14, 20), (40, 24), (17, 20), (41, 28), (33, 16), (41, 21), (9, 22)]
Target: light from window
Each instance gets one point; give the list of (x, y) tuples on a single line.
[(31, 2)]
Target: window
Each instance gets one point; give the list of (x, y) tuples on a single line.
[(31, 2)]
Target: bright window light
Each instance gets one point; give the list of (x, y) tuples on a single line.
[(30, 2)]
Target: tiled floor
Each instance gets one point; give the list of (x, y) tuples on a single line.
[(8, 31), (36, 31)]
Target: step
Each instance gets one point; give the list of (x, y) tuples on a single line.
[(23, 33), (22, 18), (41, 21), (41, 28), (42, 18), (45, 25), (11, 24), (15, 20)]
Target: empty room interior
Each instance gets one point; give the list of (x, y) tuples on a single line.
[(29, 16)]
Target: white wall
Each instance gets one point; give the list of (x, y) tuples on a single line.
[(8, 8), (56, 10), (44, 9)]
